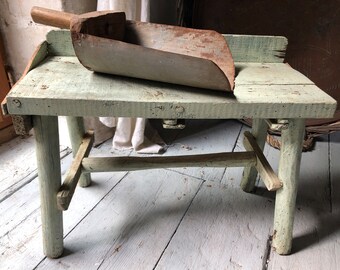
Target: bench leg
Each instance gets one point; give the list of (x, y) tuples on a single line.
[(49, 174), (289, 168), (76, 130), (259, 131)]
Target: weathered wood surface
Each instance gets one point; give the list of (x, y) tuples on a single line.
[(15, 162), (316, 226), (289, 172), (258, 49), (20, 223), (49, 171), (266, 172), (233, 176), (76, 132), (259, 131), (15, 175), (202, 137), (162, 99), (112, 164), (133, 233), (23, 123), (60, 43), (76, 91), (316, 231), (253, 74), (67, 189), (18, 164), (21, 241), (179, 110), (215, 235), (38, 56)]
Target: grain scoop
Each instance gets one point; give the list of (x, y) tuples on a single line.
[(104, 41)]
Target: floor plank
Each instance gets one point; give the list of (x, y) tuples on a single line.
[(203, 137), (143, 219), (313, 222), (133, 231), (225, 228), (20, 224), (233, 175), (18, 165)]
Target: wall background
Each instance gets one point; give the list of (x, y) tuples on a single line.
[(21, 35), (312, 29)]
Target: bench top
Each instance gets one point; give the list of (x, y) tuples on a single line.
[(60, 85)]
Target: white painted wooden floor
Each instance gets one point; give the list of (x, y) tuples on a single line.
[(189, 218)]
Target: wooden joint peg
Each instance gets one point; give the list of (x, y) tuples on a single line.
[(66, 191), (263, 167)]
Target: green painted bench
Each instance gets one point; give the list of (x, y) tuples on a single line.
[(267, 90)]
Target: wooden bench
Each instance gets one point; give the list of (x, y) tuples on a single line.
[(267, 90)]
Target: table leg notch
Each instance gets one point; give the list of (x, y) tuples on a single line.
[(69, 185)]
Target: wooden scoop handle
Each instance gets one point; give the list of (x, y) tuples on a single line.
[(51, 17)]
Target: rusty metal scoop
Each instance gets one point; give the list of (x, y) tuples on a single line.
[(104, 41)]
